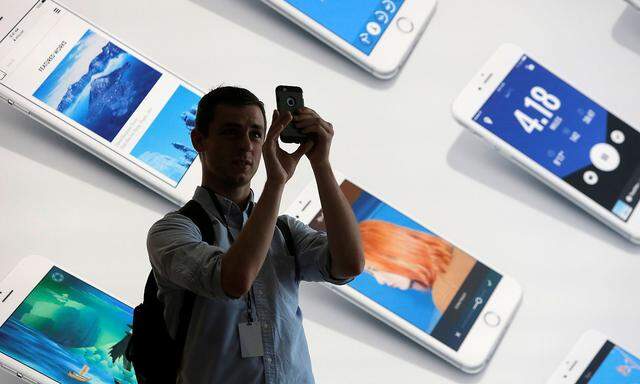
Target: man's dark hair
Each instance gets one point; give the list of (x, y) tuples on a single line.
[(233, 96)]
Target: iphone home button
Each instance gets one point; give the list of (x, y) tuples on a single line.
[(405, 25), (492, 319)]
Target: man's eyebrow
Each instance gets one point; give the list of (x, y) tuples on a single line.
[(231, 124)]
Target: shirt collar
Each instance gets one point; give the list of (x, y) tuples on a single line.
[(219, 205)]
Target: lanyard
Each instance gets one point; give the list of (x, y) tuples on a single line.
[(250, 295)]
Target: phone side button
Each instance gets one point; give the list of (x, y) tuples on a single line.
[(492, 319), (404, 25), (18, 107)]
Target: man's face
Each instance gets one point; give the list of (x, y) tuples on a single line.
[(232, 148)]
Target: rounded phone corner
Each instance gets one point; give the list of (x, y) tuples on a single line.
[(634, 238), (474, 368), (456, 111), (285, 88), (384, 74), (471, 365)]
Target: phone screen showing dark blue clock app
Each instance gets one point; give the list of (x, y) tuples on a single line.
[(568, 134), (360, 23)]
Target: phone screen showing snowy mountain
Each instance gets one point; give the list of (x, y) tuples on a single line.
[(101, 88), (70, 332)]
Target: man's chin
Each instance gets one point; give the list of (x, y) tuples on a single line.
[(242, 179)]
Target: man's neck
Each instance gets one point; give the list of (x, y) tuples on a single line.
[(239, 195)]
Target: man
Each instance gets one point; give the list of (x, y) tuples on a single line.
[(249, 271)]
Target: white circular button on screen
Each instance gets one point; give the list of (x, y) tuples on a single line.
[(604, 157), (617, 137), (405, 25), (590, 178), (492, 319), (373, 28)]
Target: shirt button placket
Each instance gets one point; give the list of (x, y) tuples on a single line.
[(267, 335)]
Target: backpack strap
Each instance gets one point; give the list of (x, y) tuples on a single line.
[(281, 223), (194, 211)]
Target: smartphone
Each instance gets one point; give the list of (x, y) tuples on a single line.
[(419, 283), (376, 35), (562, 137), (91, 88), (56, 327), (597, 360), (289, 99)]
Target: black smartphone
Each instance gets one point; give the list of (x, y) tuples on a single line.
[(289, 98)]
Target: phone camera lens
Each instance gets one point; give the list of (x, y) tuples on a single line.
[(291, 101)]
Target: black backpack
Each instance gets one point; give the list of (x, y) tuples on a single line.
[(155, 355)]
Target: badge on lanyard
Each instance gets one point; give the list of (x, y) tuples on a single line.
[(250, 334), (250, 339)]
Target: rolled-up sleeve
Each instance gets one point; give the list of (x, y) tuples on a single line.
[(312, 253), (178, 255)]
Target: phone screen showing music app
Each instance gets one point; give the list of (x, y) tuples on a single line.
[(568, 134), (360, 23)]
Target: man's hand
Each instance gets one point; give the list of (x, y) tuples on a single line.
[(320, 132), (347, 255), (280, 165)]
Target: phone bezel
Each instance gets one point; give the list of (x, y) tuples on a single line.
[(480, 342), (478, 91), (22, 280), (179, 194), (578, 359), (392, 49)]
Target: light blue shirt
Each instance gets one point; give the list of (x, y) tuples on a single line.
[(182, 261)]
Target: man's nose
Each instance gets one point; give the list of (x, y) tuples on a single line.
[(245, 141)]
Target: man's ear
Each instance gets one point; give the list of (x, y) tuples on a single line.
[(197, 140)]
